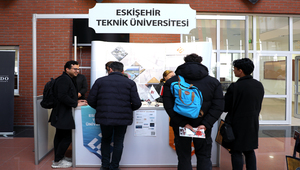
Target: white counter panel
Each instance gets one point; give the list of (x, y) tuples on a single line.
[(138, 150)]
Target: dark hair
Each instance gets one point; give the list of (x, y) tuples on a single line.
[(116, 66), (193, 58), (107, 65), (69, 64), (245, 64)]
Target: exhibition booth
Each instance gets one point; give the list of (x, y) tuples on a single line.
[(146, 142)]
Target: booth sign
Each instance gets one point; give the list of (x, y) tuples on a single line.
[(142, 18)]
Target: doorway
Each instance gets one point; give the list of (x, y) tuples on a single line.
[(297, 89)]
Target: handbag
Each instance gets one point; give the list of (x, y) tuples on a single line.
[(219, 137), (225, 133), (292, 162)]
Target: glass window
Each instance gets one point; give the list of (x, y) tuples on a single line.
[(232, 35), (205, 29), (273, 74), (250, 33), (16, 79), (226, 72), (272, 33), (213, 71), (296, 34), (296, 97), (273, 109)]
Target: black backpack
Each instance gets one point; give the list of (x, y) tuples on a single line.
[(49, 101)]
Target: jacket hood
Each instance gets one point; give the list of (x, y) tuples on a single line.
[(192, 70)]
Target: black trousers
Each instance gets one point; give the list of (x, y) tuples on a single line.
[(62, 140), (117, 133), (237, 160), (183, 150)]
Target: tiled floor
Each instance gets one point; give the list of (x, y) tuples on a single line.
[(275, 142)]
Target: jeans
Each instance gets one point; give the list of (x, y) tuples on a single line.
[(118, 134), (237, 160), (62, 140), (183, 151)]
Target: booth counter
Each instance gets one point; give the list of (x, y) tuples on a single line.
[(144, 145)]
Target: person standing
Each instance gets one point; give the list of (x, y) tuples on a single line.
[(82, 86), (61, 115), (114, 97), (166, 76), (243, 101), (213, 103)]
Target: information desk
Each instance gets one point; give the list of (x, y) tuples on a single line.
[(139, 150)]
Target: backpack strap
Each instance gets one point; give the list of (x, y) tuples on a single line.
[(193, 96), (180, 91)]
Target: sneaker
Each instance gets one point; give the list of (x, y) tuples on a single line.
[(61, 164), (67, 159)]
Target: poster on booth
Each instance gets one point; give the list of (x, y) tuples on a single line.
[(144, 63), (145, 123), (91, 132)]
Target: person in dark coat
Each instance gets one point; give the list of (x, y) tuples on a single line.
[(243, 101), (61, 115), (114, 97), (82, 86), (213, 104)]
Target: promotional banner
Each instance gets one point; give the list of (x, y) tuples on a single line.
[(7, 66), (142, 18), (145, 63), (91, 132)]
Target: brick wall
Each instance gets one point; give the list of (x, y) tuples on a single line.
[(54, 36)]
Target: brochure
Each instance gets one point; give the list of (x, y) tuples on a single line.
[(184, 132)]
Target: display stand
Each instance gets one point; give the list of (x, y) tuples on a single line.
[(139, 151)]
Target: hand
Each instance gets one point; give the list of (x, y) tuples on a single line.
[(201, 127), (188, 126), (82, 103), (79, 95)]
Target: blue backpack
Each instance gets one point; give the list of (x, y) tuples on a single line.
[(188, 98)]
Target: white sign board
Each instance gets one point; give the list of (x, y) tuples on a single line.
[(142, 18)]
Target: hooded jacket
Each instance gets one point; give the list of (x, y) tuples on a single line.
[(114, 97), (213, 101)]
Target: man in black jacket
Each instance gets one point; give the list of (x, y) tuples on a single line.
[(114, 97), (61, 116), (243, 101), (197, 74)]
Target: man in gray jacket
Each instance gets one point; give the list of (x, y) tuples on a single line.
[(114, 97)]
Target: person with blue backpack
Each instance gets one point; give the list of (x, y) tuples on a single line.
[(208, 97)]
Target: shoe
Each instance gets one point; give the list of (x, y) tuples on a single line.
[(67, 159), (103, 168), (61, 164)]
